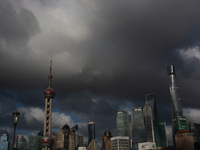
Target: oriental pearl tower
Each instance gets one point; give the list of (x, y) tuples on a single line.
[(47, 141)]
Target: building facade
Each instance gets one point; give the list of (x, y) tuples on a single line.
[(122, 120), (195, 129), (91, 131), (4, 145), (148, 121), (151, 101), (120, 143), (21, 142), (106, 140), (184, 140), (32, 143), (175, 101), (138, 127)]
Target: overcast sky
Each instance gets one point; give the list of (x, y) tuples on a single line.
[(107, 54)]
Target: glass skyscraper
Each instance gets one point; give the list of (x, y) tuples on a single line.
[(148, 121), (178, 121), (21, 142), (91, 131), (138, 127), (122, 123), (151, 100), (195, 129)]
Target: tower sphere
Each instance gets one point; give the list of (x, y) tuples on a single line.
[(46, 141), (49, 93)]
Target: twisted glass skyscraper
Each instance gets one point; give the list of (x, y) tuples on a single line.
[(178, 121)]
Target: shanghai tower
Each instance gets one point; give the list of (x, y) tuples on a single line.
[(178, 120), (173, 88)]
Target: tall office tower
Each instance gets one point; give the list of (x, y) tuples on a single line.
[(92, 145), (21, 142), (122, 123), (32, 142), (91, 131), (120, 143), (80, 140), (4, 145), (49, 94), (195, 129), (178, 121), (38, 137), (106, 140), (138, 127), (148, 121), (151, 100), (184, 140), (74, 129), (55, 137)]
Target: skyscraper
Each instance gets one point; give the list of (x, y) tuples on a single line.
[(4, 145), (148, 121), (122, 123), (91, 131), (138, 127), (178, 121), (21, 142), (195, 129), (151, 100), (106, 140)]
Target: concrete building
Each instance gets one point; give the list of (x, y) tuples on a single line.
[(4, 145), (120, 143), (92, 145), (147, 146), (184, 140), (106, 140)]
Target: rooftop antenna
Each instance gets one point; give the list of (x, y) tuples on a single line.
[(50, 76)]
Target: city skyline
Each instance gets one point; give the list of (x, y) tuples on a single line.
[(107, 55)]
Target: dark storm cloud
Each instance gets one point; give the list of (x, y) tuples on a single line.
[(121, 57)]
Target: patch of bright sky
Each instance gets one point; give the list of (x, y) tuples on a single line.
[(74, 118), (192, 52)]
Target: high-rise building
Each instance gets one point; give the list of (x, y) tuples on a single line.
[(106, 140), (148, 121), (138, 127), (21, 142), (151, 100), (55, 137), (91, 131), (178, 121), (4, 145), (120, 143), (32, 143), (195, 129), (184, 140), (160, 134), (92, 145), (122, 123), (38, 137)]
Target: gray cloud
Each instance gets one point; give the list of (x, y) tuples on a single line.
[(106, 55)]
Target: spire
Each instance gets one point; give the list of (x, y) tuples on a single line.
[(50, 76)]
